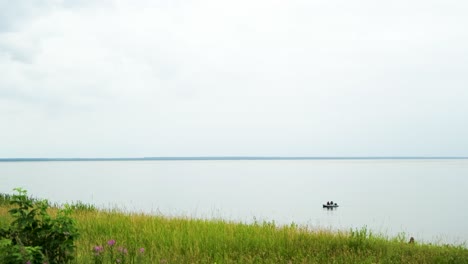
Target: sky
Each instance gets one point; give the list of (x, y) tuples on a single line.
[(83, 78)]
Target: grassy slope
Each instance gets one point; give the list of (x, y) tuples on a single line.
[(176, 240)]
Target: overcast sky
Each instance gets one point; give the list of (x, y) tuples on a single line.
[(246, 77)]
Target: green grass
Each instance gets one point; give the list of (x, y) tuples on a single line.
[(186, 240), (177, 240), (4, 199)]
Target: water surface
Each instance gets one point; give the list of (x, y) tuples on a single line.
[(426, 199)]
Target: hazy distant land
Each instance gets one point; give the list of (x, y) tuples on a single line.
[(228, 158)]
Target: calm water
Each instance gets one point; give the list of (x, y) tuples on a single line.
[(427, 199)]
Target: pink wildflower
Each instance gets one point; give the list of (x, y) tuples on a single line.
[(123, 250), (98, 249)]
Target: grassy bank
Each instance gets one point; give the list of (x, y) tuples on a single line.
[(179, 240)]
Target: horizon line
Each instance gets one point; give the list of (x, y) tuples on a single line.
[(235, 158)]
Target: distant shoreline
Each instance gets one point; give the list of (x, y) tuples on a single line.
[(225, 158)]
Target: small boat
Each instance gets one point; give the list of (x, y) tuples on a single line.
[(330, 206)]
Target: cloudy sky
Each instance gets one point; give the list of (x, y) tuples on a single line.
[(246, 77)]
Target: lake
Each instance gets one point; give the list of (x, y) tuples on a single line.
[(423, 198)]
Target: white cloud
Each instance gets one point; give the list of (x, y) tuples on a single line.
[(234, 78)]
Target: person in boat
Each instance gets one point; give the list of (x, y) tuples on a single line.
[(331, 203), (328, 202)]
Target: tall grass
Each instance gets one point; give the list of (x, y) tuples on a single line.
[(187, 240), (77, 205), (4, 199)]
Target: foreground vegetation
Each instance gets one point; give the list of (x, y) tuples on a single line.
[(112, 236)]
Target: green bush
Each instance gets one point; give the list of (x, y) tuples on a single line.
[(34, 236)]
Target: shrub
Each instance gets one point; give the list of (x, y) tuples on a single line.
[(34, 236)]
